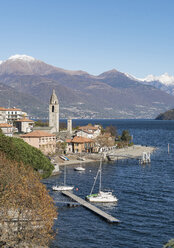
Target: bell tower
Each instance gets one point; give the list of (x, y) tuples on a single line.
[(54, 113)]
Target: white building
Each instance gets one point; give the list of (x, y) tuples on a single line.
[(2, 115), (24, 125), (7, 129), (11, 114), (89, 131)]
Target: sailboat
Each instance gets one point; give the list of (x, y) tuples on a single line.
[(79, 168), (101, 196), (64, 187)]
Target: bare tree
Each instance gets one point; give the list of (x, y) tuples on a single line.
[(27, 211)]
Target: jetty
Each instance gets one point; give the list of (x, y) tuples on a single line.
[(137, 152), (91, 207)]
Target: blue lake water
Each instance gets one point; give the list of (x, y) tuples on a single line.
[(146, 195)]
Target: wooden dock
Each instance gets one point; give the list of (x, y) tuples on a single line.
[(91, 207)]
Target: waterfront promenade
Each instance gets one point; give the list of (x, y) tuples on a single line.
[(134, 151)]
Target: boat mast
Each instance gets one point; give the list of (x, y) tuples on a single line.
[(64, 175), (94, 182), (100, 174)]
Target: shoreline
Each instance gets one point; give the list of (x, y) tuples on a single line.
[(134, 152)]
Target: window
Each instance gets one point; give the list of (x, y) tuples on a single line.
[(52, 108)]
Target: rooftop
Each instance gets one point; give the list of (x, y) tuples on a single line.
[(25, 120), (5, 125), (78, 139), (10, 109), (88, 127), (38, 134)]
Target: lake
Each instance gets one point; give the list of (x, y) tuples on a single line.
[(145, 194)]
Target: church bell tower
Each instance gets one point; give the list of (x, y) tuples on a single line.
[(54, 113)]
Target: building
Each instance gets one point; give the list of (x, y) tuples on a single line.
[(79, 144), (24, 125), (44, 141), (89, 131), (2, 115), (54, 113), (7, 129), (11, 114)]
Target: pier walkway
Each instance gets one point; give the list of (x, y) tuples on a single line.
[(91, 207), (134, 152)]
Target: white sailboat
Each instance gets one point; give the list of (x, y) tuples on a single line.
[(63, 187), (79, 168), (101, 196)]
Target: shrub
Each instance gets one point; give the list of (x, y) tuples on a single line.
[(18, 150)]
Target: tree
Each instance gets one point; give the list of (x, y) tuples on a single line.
[(40, 123), (18, 150), (125, 136), (105, 140), (27, 211), (112, 130)]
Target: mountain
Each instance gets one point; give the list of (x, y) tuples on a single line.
[(112, 94), (163, 82), (168, 115)]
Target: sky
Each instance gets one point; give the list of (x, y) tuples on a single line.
[(132, 36)]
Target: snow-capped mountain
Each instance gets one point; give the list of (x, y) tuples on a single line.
[(163, 82), (112, 94), (22, 57), (26, 65), (165, 79)]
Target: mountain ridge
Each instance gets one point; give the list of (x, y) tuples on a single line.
[(111, 94)]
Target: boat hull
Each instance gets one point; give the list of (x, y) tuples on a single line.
[(102, 197), (62, 188), (79, 169)]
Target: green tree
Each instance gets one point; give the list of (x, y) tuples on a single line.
[(125, 136), (40, 123), (18, 150)]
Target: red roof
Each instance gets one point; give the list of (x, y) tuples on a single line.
[(78, 139), (38, 134), (88, 127), (10, 109), (25, 120), (5, 125)]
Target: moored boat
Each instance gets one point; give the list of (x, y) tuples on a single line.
[(101, 196)]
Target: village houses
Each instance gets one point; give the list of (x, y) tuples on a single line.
[(7, 129), (24, 125), (9, 115), (79, 144), (89, 131), (42, 140), (82, 140)]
